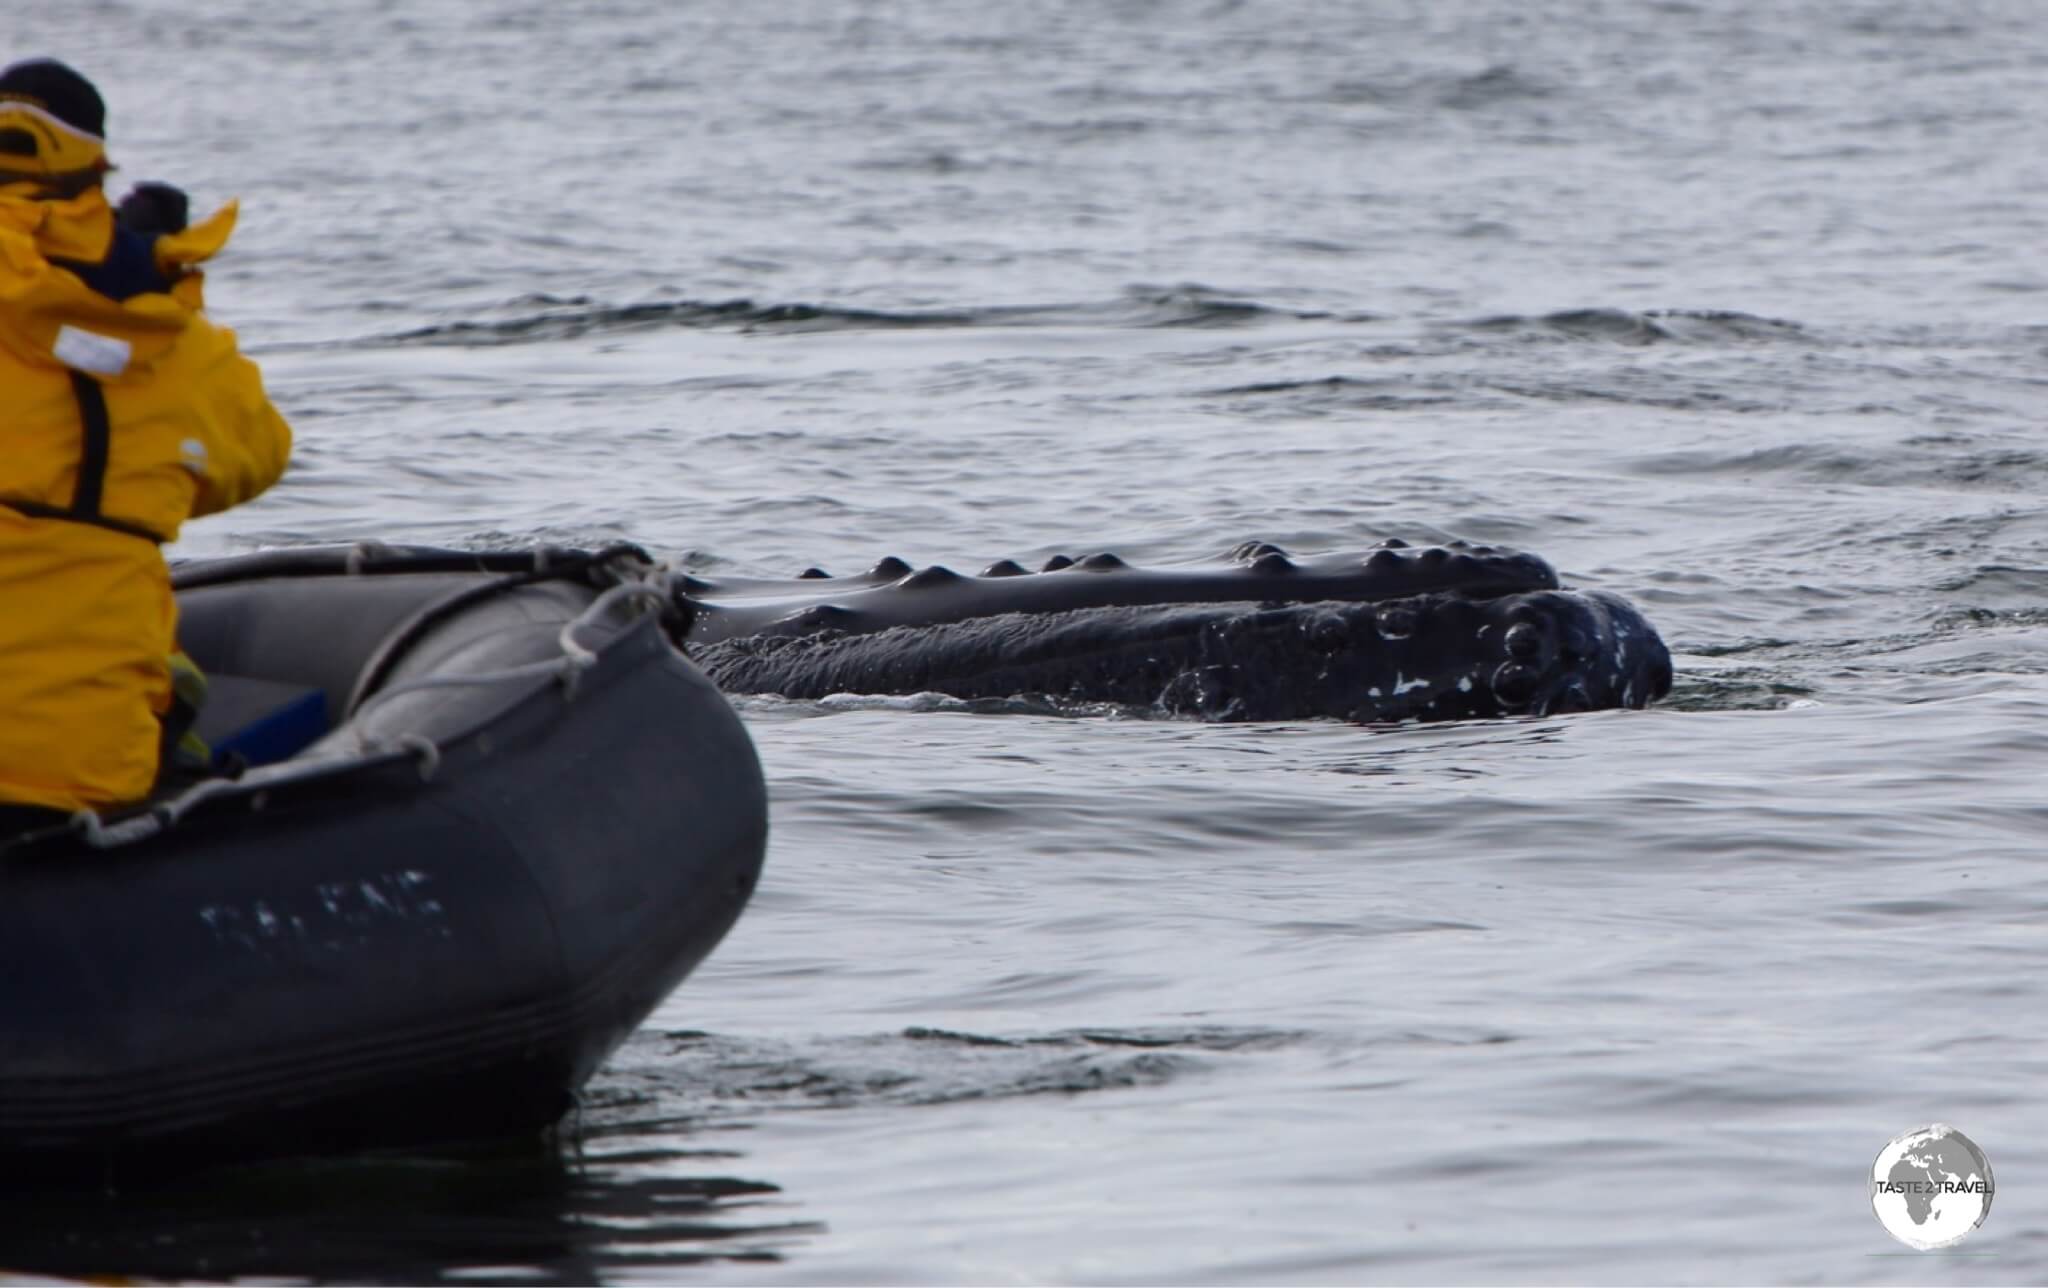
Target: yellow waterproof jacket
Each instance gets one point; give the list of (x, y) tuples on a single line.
[(87, 620)]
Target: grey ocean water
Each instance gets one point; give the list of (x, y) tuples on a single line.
[(1739, 309)]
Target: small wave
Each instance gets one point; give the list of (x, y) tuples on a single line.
[(1743, 647), (1656, 326), (1912, 463), (1498, 84), (1956, 641), (1978, 639), (1735, 689), (930, 1066), (1458, 92), (942, 161), (570, 318), (1336, 395), (540, 319), (1194, 305), (1889, 912), (1356, 393), (2011, 584)]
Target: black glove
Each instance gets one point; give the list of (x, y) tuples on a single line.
[(154, 208)]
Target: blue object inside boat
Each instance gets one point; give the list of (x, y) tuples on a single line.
[(262, 721)]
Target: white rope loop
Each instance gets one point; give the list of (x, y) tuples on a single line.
[(425, 749)]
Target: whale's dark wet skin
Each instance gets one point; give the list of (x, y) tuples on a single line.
[(1438, 633)]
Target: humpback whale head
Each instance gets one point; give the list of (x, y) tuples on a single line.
[(1438, 633)]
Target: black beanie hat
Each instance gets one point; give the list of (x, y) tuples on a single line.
[(58, 90)]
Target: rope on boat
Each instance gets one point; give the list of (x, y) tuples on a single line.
[(160, 817), (362, 552)]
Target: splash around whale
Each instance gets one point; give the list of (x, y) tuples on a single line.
[(1446, 632)]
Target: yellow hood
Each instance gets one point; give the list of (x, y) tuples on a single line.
[(48, 317)]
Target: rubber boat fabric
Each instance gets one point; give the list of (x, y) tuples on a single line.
[(529, 819)]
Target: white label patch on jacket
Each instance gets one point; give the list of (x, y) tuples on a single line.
[(192, 455), (91, 351)]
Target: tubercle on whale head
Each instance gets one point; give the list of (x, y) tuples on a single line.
[(1258, 557), (893, 593), (1264, 558)]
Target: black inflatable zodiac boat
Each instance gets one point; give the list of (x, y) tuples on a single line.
[(528, 819)]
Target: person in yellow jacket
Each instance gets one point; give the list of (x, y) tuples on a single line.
[(123, 412)]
